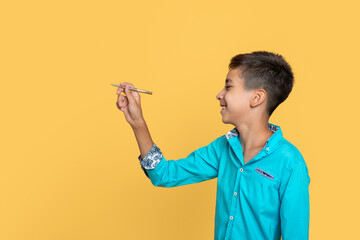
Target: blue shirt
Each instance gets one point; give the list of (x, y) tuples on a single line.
[(265, 198)]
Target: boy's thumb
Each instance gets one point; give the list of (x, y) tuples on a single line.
[(129, 94)]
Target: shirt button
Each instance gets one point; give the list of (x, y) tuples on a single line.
[(267, 149), (241, 170), (235, 193), (231, 217)]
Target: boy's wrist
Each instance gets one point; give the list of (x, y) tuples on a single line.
[(139, 124)]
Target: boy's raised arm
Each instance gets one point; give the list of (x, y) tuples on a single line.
[(143, 138), (130, 105), (200, 165)]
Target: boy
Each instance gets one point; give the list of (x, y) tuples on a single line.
[(262, 179)]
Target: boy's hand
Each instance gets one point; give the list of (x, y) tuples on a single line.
[(130, 104)]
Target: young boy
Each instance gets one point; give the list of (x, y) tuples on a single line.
[(262, 179)]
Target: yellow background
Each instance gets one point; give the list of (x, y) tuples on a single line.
[(68, 163)]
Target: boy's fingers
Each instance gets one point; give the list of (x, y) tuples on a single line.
[(120, 100), (123, 99), (129, 95), (132, 86), (125, 102), (118, 106), (119, 90), (119, 97), (136, 94), (124, 84)]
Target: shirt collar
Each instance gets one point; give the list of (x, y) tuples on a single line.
[(270, 143)]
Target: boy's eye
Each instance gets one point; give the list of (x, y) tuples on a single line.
[(227, 87)]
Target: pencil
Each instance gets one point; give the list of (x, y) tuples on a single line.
[(133, 89)]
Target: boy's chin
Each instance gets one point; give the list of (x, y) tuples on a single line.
[(226, 121)]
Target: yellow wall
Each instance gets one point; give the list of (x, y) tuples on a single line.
[(68, 159)]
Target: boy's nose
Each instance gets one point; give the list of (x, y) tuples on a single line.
[(219, 96)]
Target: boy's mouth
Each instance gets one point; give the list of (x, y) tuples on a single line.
[(223, 107)]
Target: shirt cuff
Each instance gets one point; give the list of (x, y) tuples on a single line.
[(152, 158)]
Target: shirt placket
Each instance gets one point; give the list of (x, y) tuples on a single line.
[(235, 201), (234, 204)]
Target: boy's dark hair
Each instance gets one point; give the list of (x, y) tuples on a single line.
[(266, 70)]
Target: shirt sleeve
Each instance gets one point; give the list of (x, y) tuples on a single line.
[(151, 159), (200, 165), (294, 202)]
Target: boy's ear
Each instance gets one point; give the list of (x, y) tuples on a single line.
[(258, 97)]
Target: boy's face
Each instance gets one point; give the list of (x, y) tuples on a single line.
[(235, 98)]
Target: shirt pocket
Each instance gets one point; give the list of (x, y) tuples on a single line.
[(260, 193), (263, 180)]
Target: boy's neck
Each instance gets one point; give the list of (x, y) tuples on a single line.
[(253, 135)]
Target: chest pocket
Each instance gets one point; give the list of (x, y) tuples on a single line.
[(265, 177), (261, 185), (264, 173)]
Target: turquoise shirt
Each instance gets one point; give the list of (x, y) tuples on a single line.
[(265, 198)]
